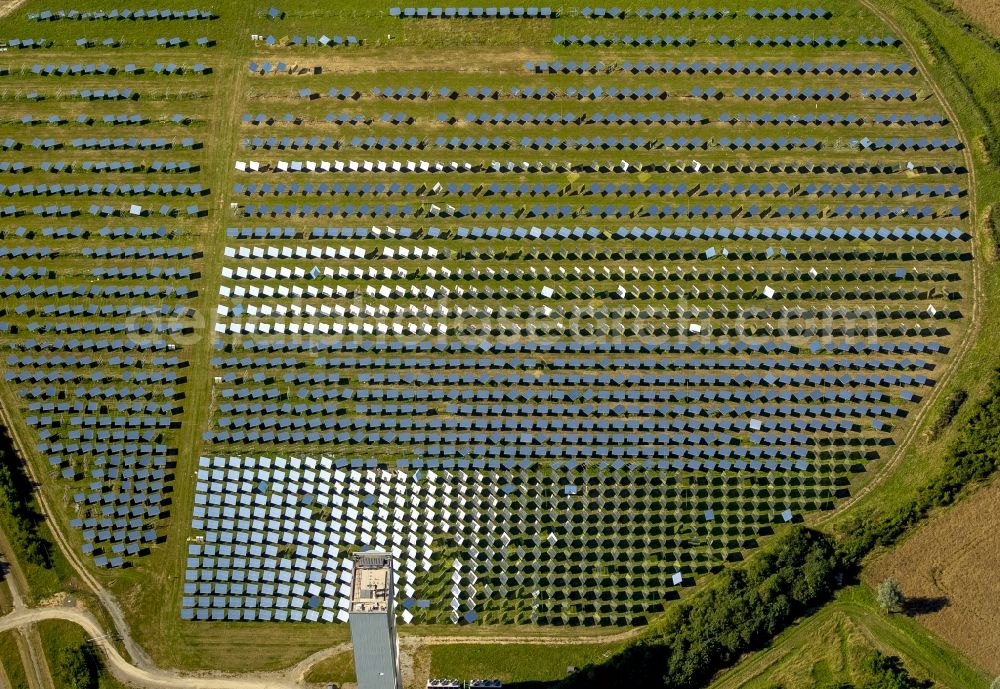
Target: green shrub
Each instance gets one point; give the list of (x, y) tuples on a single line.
[(887, 672), (77, 667), (948, 412)]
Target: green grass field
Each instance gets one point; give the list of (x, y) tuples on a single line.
[(519, 665), (827, 648), (10, 660), (338, 668), (58, 634)]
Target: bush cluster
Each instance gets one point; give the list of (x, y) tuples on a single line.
[(78, 667), (951, 406)]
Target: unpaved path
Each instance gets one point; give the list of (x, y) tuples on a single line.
[(150, 678), (971, 334)]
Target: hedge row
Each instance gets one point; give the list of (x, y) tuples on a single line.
[(948, 411)]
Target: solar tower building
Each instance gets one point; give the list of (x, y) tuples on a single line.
[(373, 623)]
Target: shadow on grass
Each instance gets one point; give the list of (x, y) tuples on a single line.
[(924, 605)]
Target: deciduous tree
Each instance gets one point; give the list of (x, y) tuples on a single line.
[(890, 595)]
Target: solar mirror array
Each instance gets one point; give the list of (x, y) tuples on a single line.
[(563, 333), (104, 200)]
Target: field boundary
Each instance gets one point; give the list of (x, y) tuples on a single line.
[(933, 563), (971, 336), (867, 620)]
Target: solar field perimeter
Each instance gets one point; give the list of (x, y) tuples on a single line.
[(564, 306)]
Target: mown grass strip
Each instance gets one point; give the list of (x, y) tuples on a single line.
[(10, 659), (515, 664)]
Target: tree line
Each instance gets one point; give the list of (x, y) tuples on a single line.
[(17, 505), (970, 459)]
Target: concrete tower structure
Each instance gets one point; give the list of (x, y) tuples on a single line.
[(373, 623)]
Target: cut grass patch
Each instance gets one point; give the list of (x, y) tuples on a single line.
[(520, 664), (10, 660), (827, 647), (338, 668)]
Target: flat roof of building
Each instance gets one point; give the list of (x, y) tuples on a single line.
[(370, 585)]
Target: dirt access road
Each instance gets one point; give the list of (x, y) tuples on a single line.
[(125, 671)]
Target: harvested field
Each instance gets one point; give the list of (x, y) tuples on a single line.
[(948, 573), (986, 12)]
